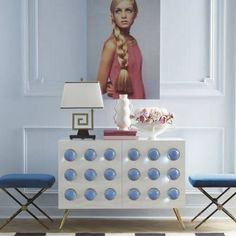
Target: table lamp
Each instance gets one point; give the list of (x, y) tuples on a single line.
[(82, 95)]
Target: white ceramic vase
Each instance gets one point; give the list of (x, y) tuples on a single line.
[(122, 112)]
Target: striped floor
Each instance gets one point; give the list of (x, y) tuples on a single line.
[(120, 234)]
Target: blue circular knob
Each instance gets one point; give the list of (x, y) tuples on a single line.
[(90, 155), (173, 173), (133, 154), (173, 154), (110, 154), (153, 174), (110, 194), (173, 193), (70, 174), (109, 174), (70, 194), (153, 193), (134, 194), (70, 155), (90, 194), (90, 174), (153, 154), (134, 174)]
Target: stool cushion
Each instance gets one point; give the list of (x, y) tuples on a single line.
[(27, 181), (217, 180)]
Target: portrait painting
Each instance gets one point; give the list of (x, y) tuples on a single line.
[(123, 47)]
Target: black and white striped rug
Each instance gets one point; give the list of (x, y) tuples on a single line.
[(120, 234)]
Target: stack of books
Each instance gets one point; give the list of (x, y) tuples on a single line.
[(116, 134)]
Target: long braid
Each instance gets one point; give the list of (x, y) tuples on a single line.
[(123, 82)]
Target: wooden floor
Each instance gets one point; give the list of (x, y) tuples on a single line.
[(118, 225)]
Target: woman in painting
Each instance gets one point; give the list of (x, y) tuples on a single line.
[(120, 69)]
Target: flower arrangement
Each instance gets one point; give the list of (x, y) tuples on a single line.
[(152, 121), (152, 115)]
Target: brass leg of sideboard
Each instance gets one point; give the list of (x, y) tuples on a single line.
[(66, 213), (178, 216)]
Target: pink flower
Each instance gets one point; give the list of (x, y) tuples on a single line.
[(162, 120), (142, 118), (153, 115)]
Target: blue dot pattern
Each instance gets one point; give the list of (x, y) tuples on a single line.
[(153, 193), (173, 193), (134, 174), (70, 174), (173, 173), (90, 155), (142, 171), (153, 154), (70, 194), (90, 194), (110, 154), (109, 174), (90, 174), (153, 173), (110, 194), (134, 194), (133, 154), (70, 155), (173, 154)]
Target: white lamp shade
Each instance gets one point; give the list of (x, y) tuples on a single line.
[(82, 95)]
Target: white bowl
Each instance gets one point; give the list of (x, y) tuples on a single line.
[(151, 131)]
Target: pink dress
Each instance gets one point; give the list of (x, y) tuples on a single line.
[(134, 69)]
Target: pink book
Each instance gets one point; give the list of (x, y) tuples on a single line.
[(120, 137), (117, 132)]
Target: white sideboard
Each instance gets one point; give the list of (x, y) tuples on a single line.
[(105, 174)]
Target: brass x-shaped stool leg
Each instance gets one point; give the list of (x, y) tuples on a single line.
[(28, 199), (24, 207), (219, 206)]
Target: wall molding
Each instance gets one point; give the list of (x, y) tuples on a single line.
[(214, 83), (36, 81), (208, 129), (30, 48)]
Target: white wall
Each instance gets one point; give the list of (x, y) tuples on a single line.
[(32, 123)]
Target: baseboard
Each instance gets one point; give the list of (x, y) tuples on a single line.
[(159, 214)]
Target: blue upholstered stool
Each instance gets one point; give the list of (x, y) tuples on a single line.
[(16, 181), (226, 181)]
